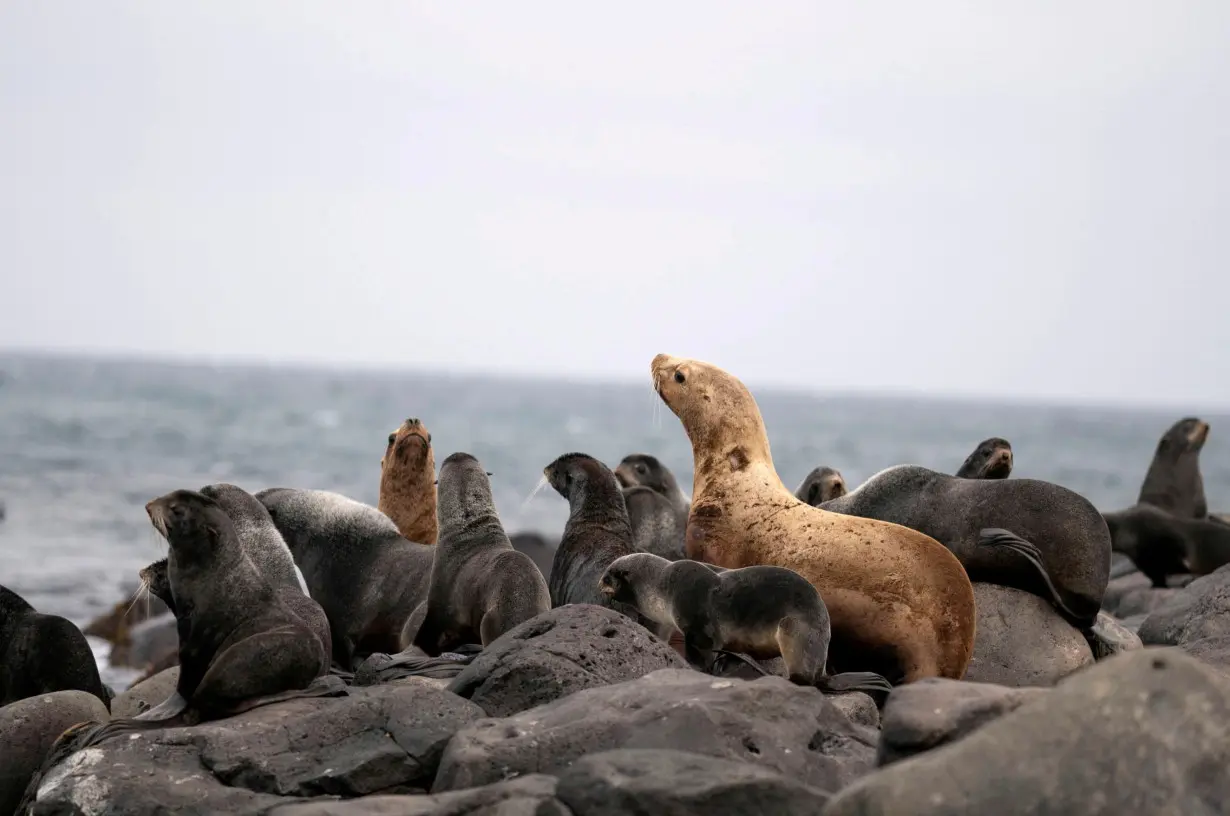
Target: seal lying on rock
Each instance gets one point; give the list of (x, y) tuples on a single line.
[(480, 586), (41, 653), (408, 482), (759, 611), (258, 535), (900, 603), (821, 485), (992, 459), (367, 577)]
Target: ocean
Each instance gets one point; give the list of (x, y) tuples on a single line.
[(84, 444)]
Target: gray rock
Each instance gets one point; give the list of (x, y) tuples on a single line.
[(1215, 651), (561, 651), (794, 730), (145, 695), (1143, 732), (1113, 637), (385, 738), (1021, 640), (858, 707), (934, 711), (1198, 611), (151, 639), (532, 795), (1134, 594), (28, 729)]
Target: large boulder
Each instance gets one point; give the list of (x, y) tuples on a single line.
[(28, 729), (1021, 640), (146, 642), (794, 730), (386, 738), (146, 694), (564, 650), (1146, 731), (1199, 610), (1113, 637)]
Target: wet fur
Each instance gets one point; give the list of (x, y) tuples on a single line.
[(258, 535), (407, 482)]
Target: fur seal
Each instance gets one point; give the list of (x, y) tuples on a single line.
[(1052, 525), (1161, 544), (1173, 481), (365, 574), (480, 586), (641, 469), (258, 535), (761, 611), (900, 604), (992, 459), (821, 485), (657, 508), (41, 653), (157, 582), (408, 482)]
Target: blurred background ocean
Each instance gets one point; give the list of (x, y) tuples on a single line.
[(84, 444)]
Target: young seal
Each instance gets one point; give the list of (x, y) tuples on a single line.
[(657, 507), (408, 482), (1052, 524), (900, 604), (821, 485), (258, 536), (1173, 481), (1161, 544), (157, 582), (480, 586), (992, 459), (762, 612), (41, 653), (367, 577)]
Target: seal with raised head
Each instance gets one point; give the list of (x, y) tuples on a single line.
[(657, 507), (258, 535), (1161, 544), (408, 482), (42, 653), (1173, 481), (363, 572), (480, 586), (900, 604), (761, 611), (821, 485), (992, 459), (1051, 524)]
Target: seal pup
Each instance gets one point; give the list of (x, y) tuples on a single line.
[(156, 581), (1173, 481), (1161, 544), (643, 470), (657, 507), (763, 612), (42, 653), (900, 604), (992, 459), (408, 482), (480, 586), (258, 536), (365, 574), (821, 485), (1052, 525)]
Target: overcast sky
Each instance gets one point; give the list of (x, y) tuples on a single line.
[(999, 199)]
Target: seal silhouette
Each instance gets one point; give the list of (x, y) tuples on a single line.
[(257, 534), (408, 482), (821, 485), (900, 604), (992, 459), (763, 612), (364, 573), (480, 586), (42, 653)]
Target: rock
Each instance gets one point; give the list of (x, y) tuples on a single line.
[(1143, 732), (1113, 637), (561, 651), (145, 695), (532, 795), (860, 708), (791, 729), (1214, 651), (382, 739), (28, 729), (1199, 610), (168, 660), (1021, 640), (934, 711), (145, 642), (1134, 593), (113, 625)]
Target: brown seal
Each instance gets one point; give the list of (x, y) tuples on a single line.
[(900, 603), (992, 459), (408, 482)]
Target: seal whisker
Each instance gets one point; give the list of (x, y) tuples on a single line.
[(141, 593), (542, 482)]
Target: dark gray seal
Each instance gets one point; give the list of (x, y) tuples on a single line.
[(257, 534), (657, 507), (367, 577), (536, 547), (992, 459), (821, 485), (480, 586), (760, 611), (41, 653), (1173, 481), (1059, 529), (1161, 544)]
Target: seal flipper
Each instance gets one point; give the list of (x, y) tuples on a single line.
[(739, 656), (168, 708), (864, 681), (997, 537)]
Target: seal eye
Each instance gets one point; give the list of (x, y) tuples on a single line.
[(392, 437), (428, 439), (642, 469), (679, 378)]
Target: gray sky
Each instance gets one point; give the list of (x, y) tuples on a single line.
[(996, 199)]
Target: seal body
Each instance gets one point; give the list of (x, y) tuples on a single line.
[(1161, 544), (1069, 532), (258, 535), (900, 604), (992, 459), (41, 653), (407, 482), (657, 507), (1173, 481), (480, 586), (821, 485), (368, 578)]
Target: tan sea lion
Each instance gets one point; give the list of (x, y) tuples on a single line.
[(901, 604), (408, 482)]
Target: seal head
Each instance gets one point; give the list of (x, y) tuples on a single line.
[(407, 482), (821, 485), (1173, 481), (992, 459)]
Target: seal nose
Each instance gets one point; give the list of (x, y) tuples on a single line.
[(149, 508)]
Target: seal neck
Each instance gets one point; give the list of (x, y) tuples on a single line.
[(600, 501), (471, 527)]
